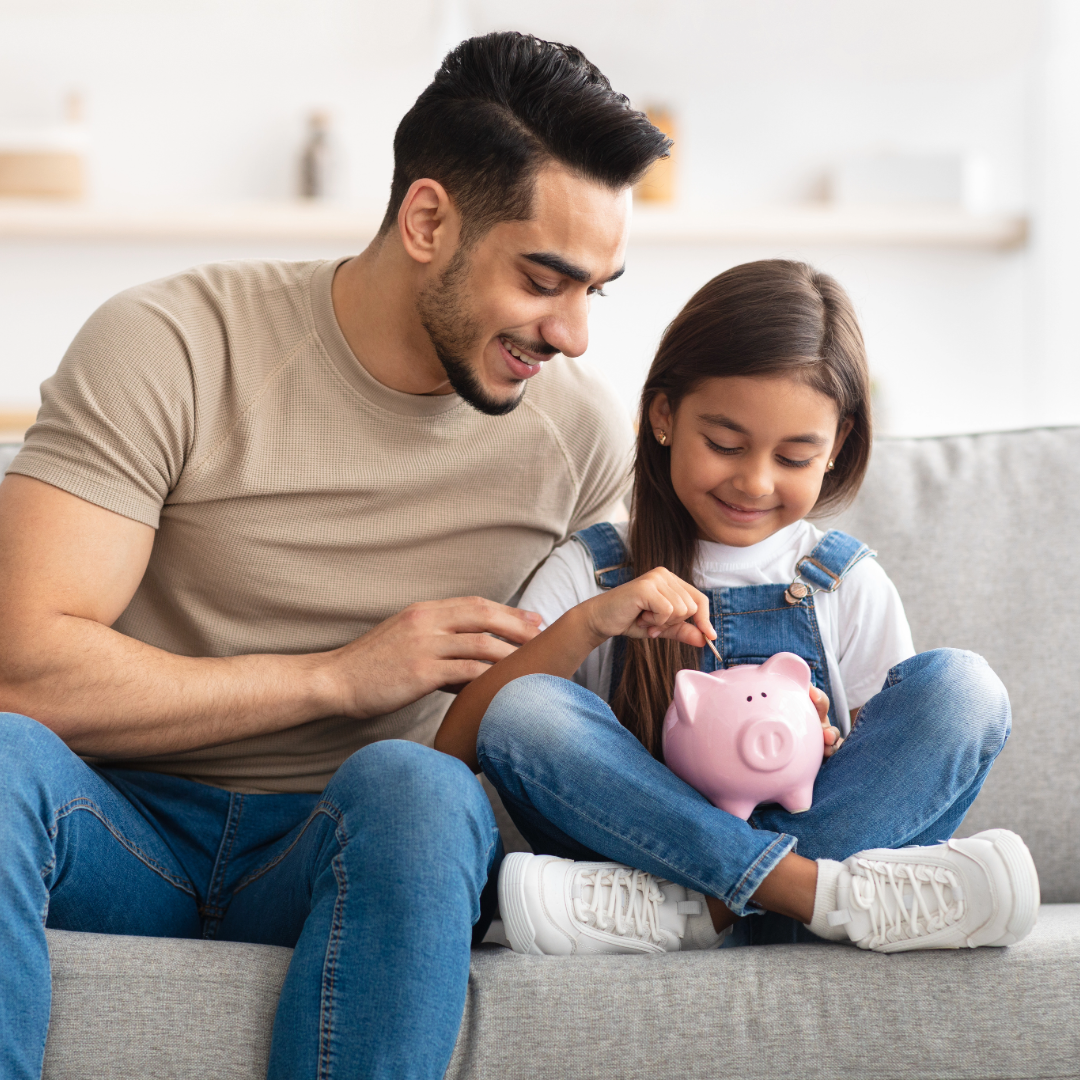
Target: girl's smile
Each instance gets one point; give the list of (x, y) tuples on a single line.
[(748, 454)]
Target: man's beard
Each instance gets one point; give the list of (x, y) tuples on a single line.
[(455, 332)]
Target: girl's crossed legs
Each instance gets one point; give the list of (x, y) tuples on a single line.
[(580, 786)]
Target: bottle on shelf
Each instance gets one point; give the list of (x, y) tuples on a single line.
[(315, 157)]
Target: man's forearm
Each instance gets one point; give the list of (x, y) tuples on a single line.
[(109, 695)]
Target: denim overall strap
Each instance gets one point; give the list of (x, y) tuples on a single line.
[(608, 554), (610, 569), (754, 622), (834, 557)]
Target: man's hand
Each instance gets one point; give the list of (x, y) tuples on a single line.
[(833, 738), (434, 645)]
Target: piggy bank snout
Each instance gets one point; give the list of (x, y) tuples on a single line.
[(766, 744)]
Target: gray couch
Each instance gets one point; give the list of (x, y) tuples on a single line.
[(979, 534)]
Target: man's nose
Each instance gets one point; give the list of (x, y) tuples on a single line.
[(567, 327)]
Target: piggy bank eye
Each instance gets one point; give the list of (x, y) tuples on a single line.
[(763, 694), (750, 698)]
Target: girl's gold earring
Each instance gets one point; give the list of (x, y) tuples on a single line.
[(830, 465), (661, 437)]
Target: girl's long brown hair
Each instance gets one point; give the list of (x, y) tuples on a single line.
[(766, 318)]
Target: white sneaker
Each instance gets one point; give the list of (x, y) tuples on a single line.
[(557, 907), (982, 890)]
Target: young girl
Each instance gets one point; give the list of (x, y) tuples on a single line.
[(755, 414)]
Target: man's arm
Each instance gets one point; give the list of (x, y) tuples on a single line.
[(68, 569)]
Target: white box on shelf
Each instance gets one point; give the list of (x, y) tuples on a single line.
[(959, 181)]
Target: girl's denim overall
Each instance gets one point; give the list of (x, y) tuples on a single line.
[(752, 622), (580, 786)]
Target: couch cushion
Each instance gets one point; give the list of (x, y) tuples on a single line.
[(980, 534), (148, 1008), (132, 1008), (816, 1012)]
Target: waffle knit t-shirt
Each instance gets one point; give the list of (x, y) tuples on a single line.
[(298, 502)]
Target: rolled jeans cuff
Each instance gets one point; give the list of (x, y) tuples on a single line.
[(738, 901)]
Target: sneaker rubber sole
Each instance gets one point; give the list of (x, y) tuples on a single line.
[(517, 925), (1020, 867)]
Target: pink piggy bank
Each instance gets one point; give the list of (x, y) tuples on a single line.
[(746, 735)]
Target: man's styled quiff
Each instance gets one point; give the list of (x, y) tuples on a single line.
[(502, 106)]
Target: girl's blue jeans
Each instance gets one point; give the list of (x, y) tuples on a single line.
[(376, 882), (579, 785)]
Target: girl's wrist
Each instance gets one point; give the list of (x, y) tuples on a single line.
[(590, 614)]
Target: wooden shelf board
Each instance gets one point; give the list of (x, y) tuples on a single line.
[(297, 221)]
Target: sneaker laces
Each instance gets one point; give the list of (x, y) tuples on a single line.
[(623, 901), (924, 911)]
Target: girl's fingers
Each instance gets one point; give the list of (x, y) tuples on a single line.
[(701, 617), (833, 741), (821, 703), (687, 633), (667, 602)]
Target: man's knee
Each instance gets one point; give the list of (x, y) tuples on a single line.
[(413, 793), (29, 752)]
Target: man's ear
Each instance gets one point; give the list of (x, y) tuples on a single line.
[(427, 221), (660, 413)]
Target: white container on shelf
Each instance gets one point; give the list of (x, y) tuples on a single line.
[(956, 181)]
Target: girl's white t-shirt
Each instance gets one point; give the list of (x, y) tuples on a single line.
[(863, 626)]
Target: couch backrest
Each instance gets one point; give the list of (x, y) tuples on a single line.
[(981, 533)]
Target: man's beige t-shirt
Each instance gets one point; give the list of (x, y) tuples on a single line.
[(298, 502)]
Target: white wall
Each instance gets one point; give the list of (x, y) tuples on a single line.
[(203, 100)]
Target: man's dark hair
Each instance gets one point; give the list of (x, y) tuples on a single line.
[(500, 107)]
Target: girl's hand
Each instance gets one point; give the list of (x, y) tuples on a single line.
[(833, 738), (655, 605)]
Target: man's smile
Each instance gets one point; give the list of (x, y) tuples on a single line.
[(521, 363)]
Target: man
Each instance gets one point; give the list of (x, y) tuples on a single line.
[(233, 556)]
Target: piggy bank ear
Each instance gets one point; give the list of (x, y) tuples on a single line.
[(789, 665), (691, 687)]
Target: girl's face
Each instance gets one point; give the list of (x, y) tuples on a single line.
[(748, 455)]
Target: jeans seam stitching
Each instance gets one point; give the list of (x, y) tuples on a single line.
[(228, 840), (326, 808), (83, 803), (333, 949)]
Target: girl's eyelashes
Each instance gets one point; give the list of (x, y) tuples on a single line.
[(728, 451), (722, 449)]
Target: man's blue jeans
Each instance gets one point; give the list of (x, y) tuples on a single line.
[(580, 786), (376, 883)]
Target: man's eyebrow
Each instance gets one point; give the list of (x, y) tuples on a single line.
[(551, 261), (718, 420)]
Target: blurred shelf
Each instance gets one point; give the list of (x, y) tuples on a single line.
[(13, 424), (41, 220), (296, 221), (863, 226)]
